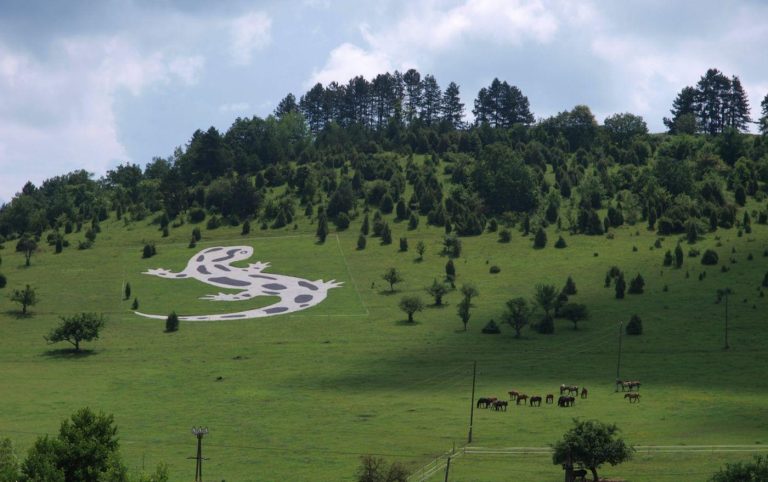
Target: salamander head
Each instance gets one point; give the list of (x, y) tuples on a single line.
[(227, 254)]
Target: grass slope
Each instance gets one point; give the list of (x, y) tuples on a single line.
[(303, 395)]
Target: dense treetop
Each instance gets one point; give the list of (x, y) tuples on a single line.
[(346, 146)]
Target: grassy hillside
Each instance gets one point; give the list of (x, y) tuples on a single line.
[(302, 396)]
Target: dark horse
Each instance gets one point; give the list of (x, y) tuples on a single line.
[(535, 401), (584, 392), (500, 405), (550, 398), (566, 401), (633, 397), (485, 402), (513, 395), (522, 398)]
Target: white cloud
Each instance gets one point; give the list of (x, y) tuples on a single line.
[(427, 29), (249, 32), (347, 61), (59, 115), (235, 107)]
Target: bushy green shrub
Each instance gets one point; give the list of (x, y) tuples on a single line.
[(710, 257), (494, 269), (560, 243), (635, 326), (172, 323), (505, 236)]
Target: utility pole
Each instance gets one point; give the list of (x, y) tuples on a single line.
[(447, 468), (199, 432), (618, 361), (472, 405), (727, 292)]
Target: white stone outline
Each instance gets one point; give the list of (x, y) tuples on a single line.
[(213, 266)]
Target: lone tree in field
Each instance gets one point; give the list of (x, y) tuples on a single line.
[(468, 291), (518, 314), (420, 248), (374, 469), (77, 328), (437, 290), (26, 297), (392, 276), (621, 286), (27, 246), (450, 273), (463, 311), (172, 323), (127, 293), (410, 305), (574, 312), (592, 444)]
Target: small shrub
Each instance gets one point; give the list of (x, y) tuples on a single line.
[(657, 244), (172, 323), (386, 234), (540, 241), (192, 243), (196, 215), (341, 221), (634, 249), (546, 326), (87, 244), (403, 244), (493, 225), (495, 269), (635, 326), (621, 286), (560, 243), (570, 287), (505, 236), (724, 269), (668, 259), (491, 328), (197, 234), (213, 222), (3, 281), (149, 250), (750, 257), (636, 285), (246, 228), (693, 253), (710, 258), (361, 242), (166, 232), (135, 304), (765, 281), (413, 221)]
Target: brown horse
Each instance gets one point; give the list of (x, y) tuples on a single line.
[(522, 398), (571, 389), (550, 398), (633, 397), (566, 401), (584, 392), (535, 401), (634, 384), (513, 395), (500, 405), (485, 402)]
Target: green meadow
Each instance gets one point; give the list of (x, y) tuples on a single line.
[(303, 396)]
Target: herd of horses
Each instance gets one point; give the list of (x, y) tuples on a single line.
[(568, 394)]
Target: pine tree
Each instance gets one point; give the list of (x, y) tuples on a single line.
[(737, 110), (322, 227), (570, 287), (453, 109), (540, 241), (683, 110), (621, 286), (678, 257), (365, 228), (763, 123)]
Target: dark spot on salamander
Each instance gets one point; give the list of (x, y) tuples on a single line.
[(302, 298), (308, 285), (271, 293), (221, 267), (279, 309), (260, 276), (229, 281), (230, 255), (233, 316), (274, 286), (181, 276), (203, 269), (213, 250)]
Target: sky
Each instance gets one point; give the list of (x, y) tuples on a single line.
[(90, 84)]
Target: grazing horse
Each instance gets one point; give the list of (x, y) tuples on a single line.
[(634, 384), (571, 389), (485, 402), (535, 401), (633, 397), (584, 392), (550, 398), (566, 401), (513, 395), (500, 405), (522, 398)]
